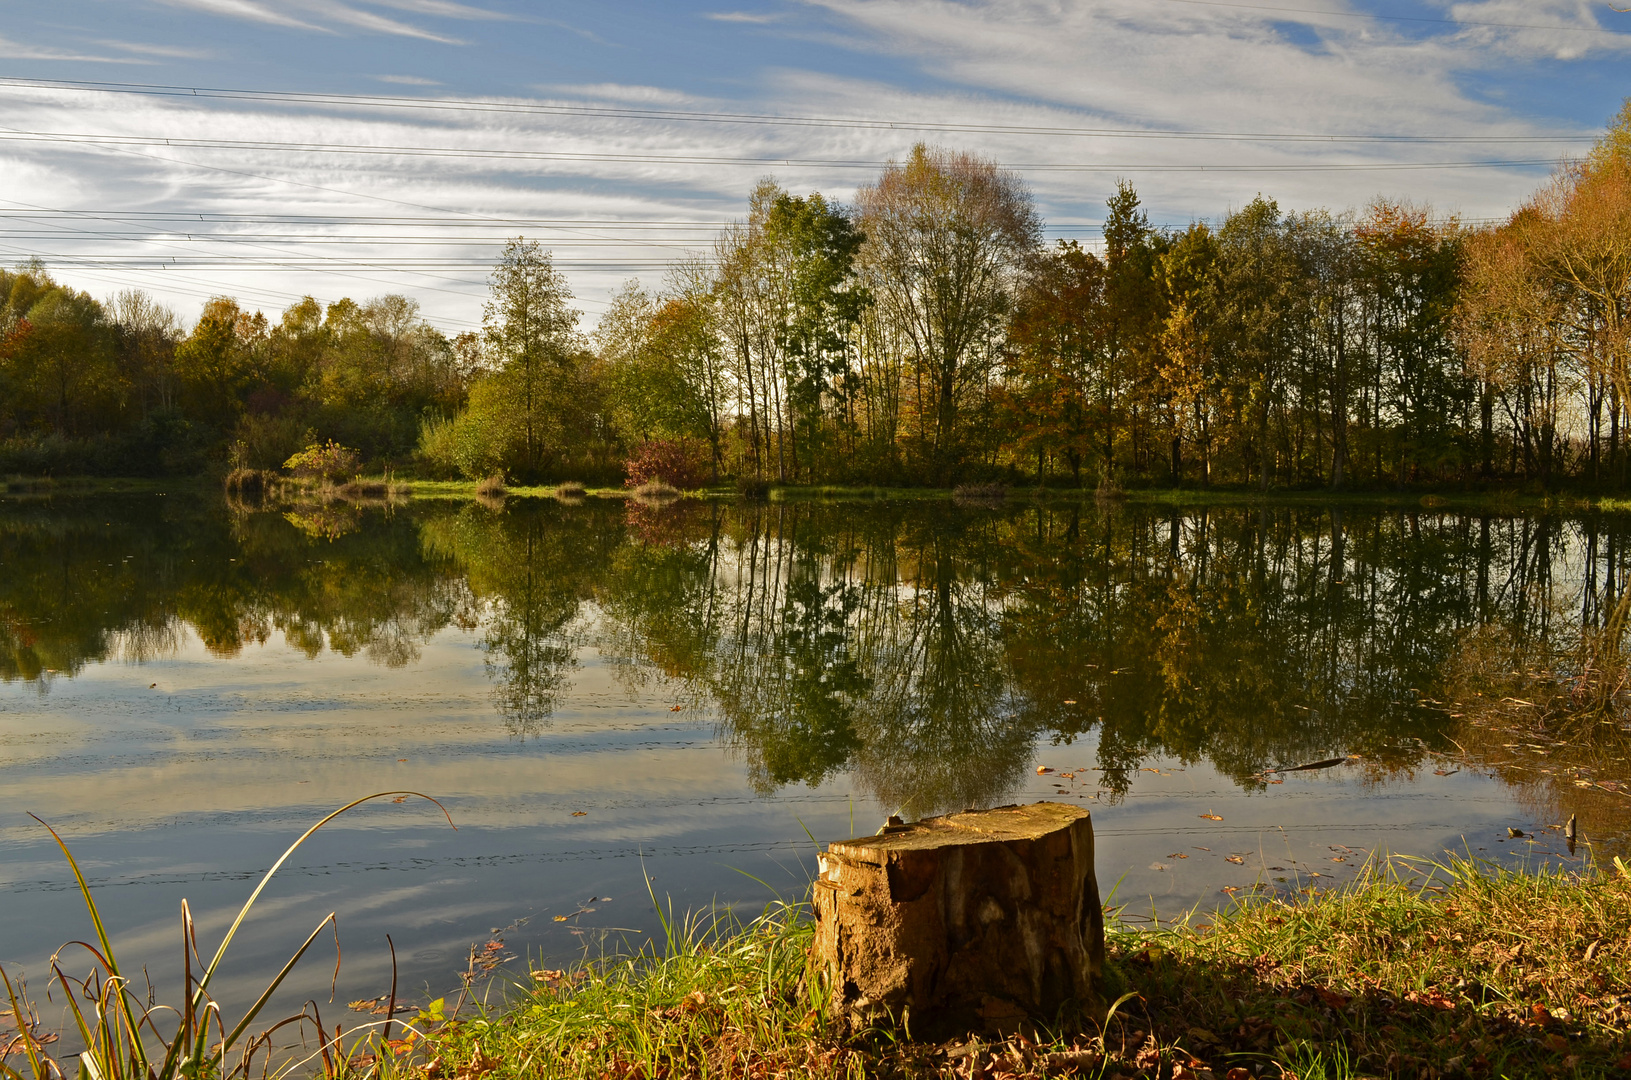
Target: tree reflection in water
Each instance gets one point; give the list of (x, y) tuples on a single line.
[(922, 648)]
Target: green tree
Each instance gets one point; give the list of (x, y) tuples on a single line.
[(530, 329)]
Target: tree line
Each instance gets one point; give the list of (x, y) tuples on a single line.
[(923, 334)]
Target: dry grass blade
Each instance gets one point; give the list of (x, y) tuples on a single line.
[(110, 1020)]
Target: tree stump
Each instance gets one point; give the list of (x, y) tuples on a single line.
[(969, 922)]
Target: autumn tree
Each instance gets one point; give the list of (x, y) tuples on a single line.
[(948, 235)]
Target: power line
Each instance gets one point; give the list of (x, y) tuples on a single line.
[(771, 119), (1402, 18), (116, 142)]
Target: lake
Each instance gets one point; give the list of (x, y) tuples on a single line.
[(617, 703)]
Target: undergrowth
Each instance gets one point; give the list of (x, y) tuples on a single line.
[(1415, 970)]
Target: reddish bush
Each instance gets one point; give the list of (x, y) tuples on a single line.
[(679, 463)]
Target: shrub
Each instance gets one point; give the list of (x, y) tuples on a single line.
[(492, 486), (438, 450), (250, 483), (326, 461), (677, 463), (656, 491), (570, 490), (265, 442), (980, 493), (754, 488)]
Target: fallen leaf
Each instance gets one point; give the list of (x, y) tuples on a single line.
[(1177, 855), (1236, 859), (675, 708), (580, 813), (401, 759), (400, 798), (561, 918), (1069, 701), (1212, 817), (1042, 770)]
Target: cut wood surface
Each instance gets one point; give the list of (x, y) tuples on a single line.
[(968, 922)]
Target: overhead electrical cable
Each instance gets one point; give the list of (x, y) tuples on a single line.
[(764, 119), (118, 142), (1380, 17)]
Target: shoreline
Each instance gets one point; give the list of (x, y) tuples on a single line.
[(1499, 501), (1416, 969)]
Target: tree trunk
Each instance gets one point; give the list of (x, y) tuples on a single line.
[(978, 921)]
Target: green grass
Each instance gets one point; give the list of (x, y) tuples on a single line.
[(1414, 970), (124, 1035)]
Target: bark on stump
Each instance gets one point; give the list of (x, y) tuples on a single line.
[(967, 922)]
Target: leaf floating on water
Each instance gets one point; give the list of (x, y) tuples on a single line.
[(1236, 859), (1042, 770), (1177, 855), (400, 760), (400, 798), (1212, 817), (675, 708), (580, 813), (1070, 701), (561, 918)]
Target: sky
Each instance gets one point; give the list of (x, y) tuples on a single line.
[(269, 149)]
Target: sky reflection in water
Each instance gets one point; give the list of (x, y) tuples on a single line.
[(599, 691)]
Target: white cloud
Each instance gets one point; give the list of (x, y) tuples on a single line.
[(743, 17), (317, 12), (245, 9), (992, 65), (644, 95), (16, 50), (379, 24), (444, 9), (1558, 29), (168, 52)]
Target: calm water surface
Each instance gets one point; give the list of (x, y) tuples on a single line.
[(600, 694)]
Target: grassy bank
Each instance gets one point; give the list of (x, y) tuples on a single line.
[(1457, 970)]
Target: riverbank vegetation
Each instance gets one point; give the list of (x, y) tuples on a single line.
[(922, 335), (1415, 969)]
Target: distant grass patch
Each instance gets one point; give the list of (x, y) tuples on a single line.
[(1413, 970)]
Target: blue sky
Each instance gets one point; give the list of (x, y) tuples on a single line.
[(390, 145)]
